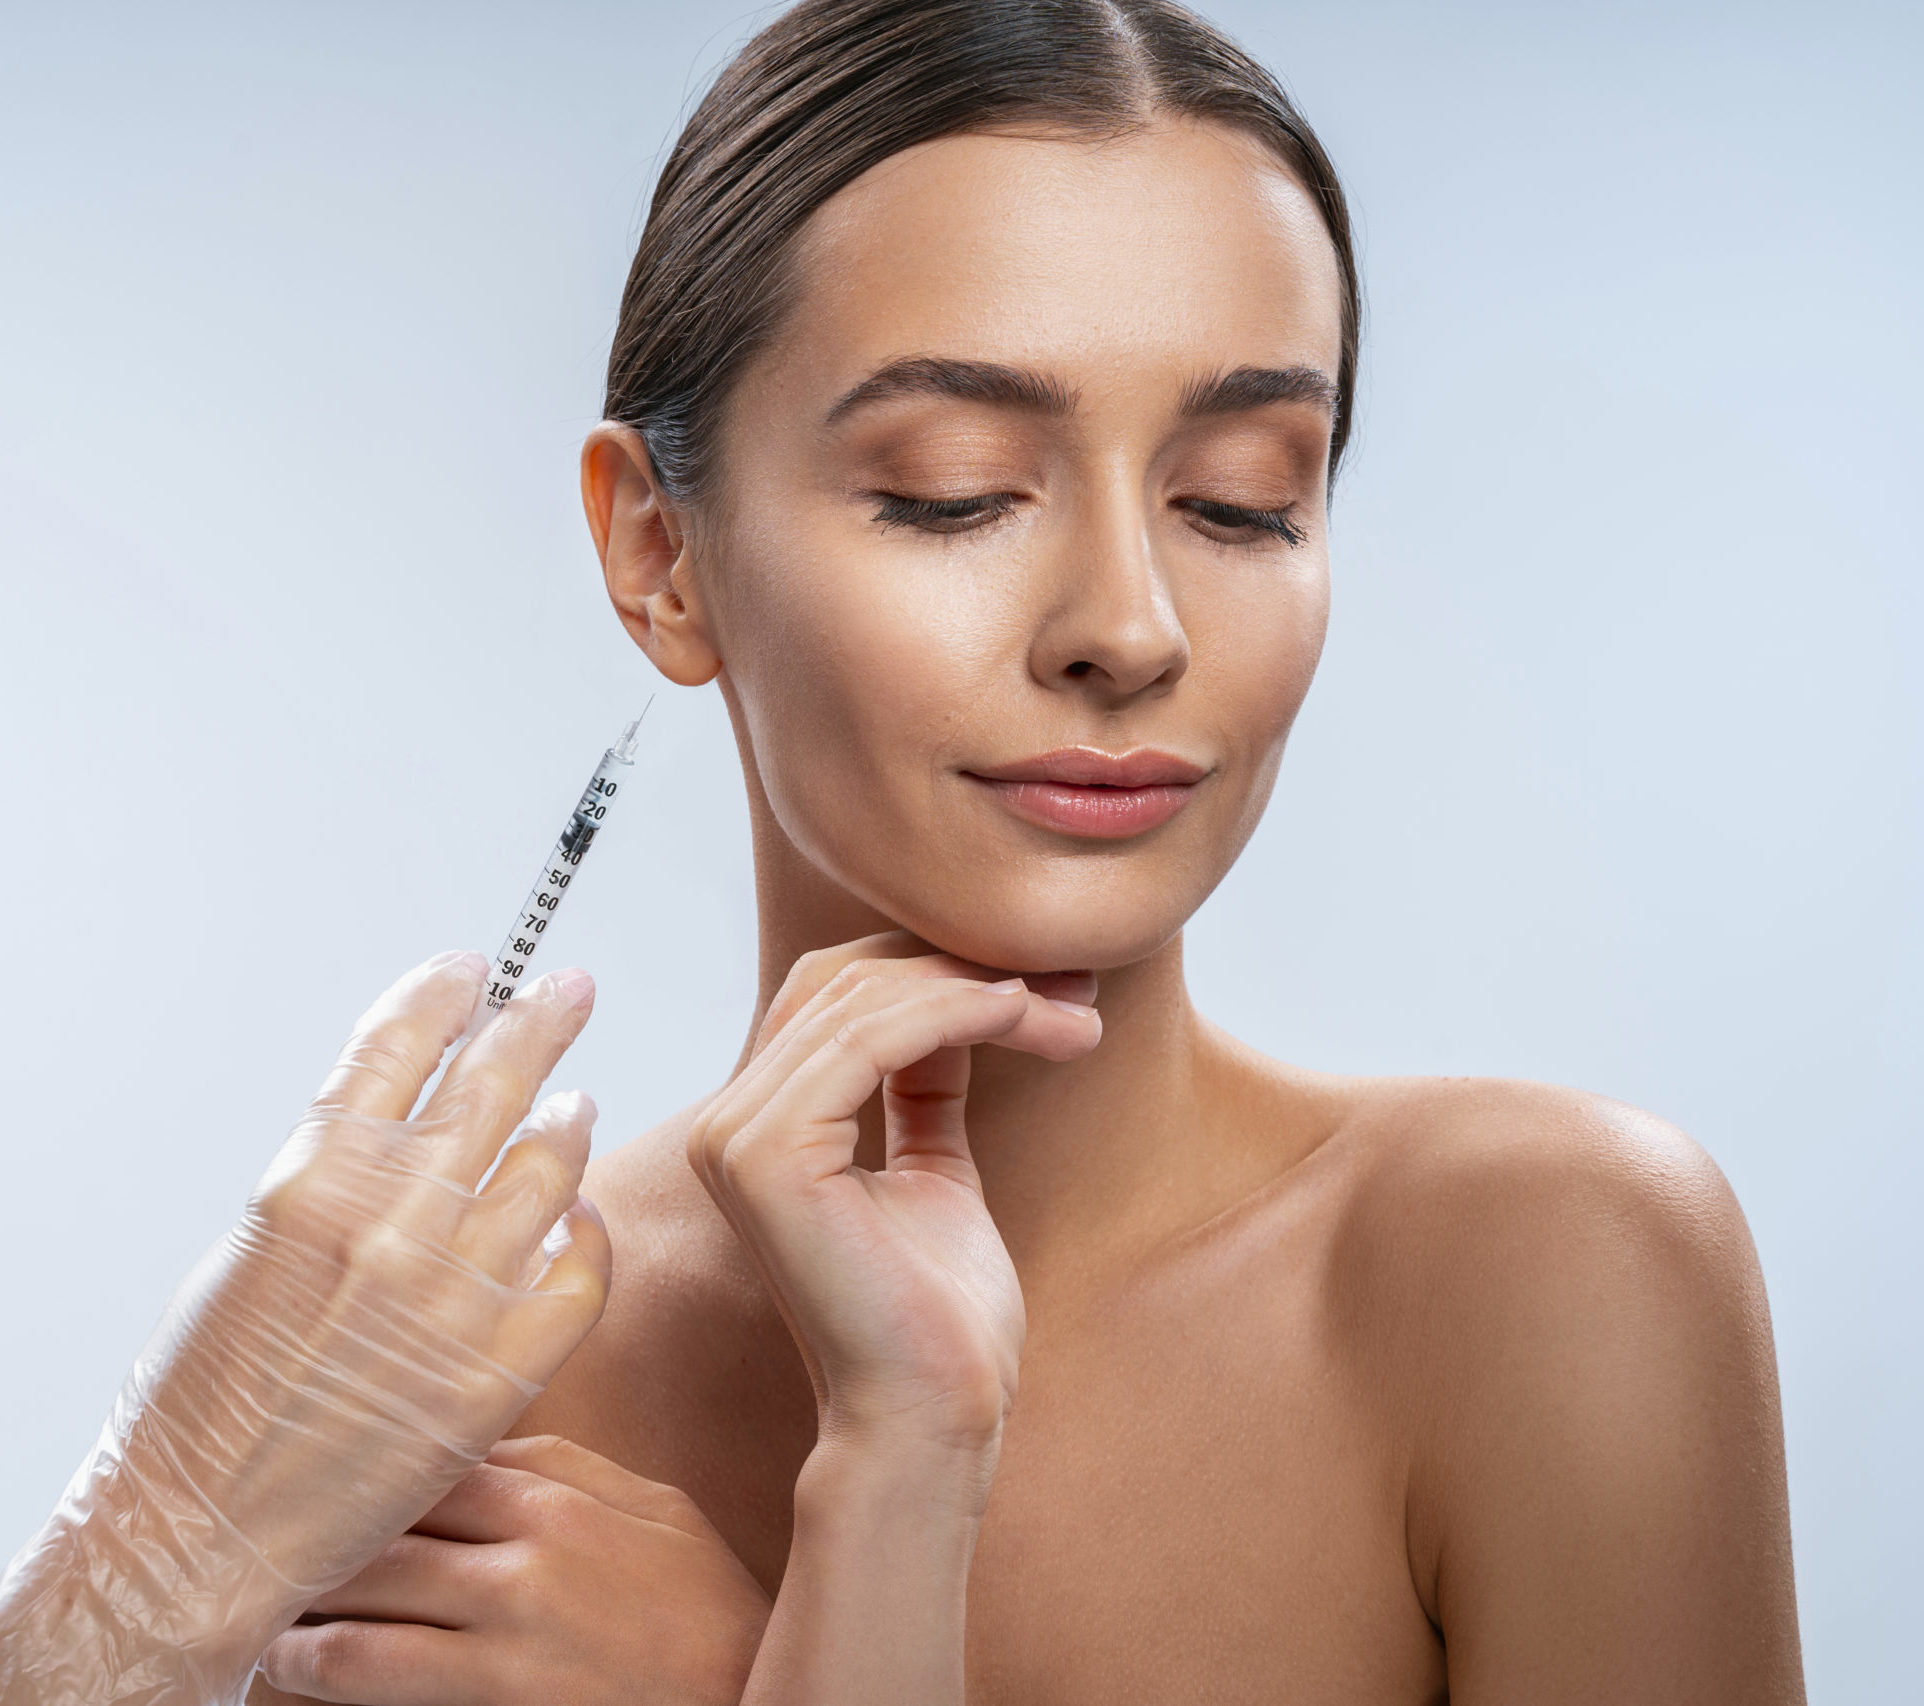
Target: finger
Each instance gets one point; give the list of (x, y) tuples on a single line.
[(415, 1579), (486, 1091), (565, 1300), (539, 1176), (375, 1664), (806, 1129), (1047, 1028), (398, 1042), (489, 1504), (923, 1108), (572, 1465), (812, 973), (819, 978)]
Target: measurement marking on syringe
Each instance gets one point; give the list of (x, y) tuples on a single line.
[(544, 899)]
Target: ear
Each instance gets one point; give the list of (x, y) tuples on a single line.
[(641, 538)]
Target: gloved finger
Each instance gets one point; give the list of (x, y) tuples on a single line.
[(487, 1089), (565, 1300), (539, 1175), (415, 1579), (398, 1042), (375, 1664)]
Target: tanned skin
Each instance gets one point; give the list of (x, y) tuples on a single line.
[(1315, 1389)]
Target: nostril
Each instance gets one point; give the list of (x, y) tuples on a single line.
[(1080, 667)]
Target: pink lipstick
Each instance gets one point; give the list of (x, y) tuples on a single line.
[(1082, 790)]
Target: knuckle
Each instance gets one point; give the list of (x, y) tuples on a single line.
[(540, 1169), (506, 1576), (710, 1136), (337, 1654), (387, 1052), (304, 1196), (541, 1453), (487, 1086), (740, 1163), (806, 973), (380, 1250), (698, 1133), (851, 977), (676, 1508), (855, 1034)]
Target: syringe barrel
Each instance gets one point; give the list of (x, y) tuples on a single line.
[(544, 899)]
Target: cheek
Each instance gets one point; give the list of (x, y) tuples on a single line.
[(1253, 654), (855, 672)]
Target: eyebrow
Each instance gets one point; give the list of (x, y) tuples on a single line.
[(1007, 387), (965, 381), (1254, 387)]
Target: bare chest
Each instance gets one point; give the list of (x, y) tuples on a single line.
[(1176, 1518), (1196, 1500)]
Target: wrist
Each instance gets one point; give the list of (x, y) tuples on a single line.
[(861, 1475)]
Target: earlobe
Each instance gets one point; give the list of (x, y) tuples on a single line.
[(643, 544)]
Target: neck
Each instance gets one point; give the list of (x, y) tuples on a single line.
[(1078, 1159)]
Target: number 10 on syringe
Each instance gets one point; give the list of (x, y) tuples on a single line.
[(544, 899)]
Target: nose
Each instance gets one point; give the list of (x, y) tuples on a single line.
[(1110, 627)]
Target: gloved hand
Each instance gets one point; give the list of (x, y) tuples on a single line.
[(333, 1366)]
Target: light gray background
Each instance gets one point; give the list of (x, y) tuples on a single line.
[(1611, 776)]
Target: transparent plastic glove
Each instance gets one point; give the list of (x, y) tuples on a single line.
[(376, 1321)]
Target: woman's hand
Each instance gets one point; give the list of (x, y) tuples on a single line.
[(375, 1322), (547, 1575), (895, 1283), (898, 1290)]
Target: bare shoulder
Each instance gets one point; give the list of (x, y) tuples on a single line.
[(1499, 1202), (1534, 1160), (1500, 1241), (1562, 1294)]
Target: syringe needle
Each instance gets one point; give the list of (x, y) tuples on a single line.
[(624, 749)]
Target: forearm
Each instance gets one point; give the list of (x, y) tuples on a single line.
[(872, 1604), (127, 1596)]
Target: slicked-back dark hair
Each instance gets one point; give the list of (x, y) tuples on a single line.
[(833, 87)]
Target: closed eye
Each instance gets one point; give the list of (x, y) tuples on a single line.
[(1234, 524), (942, 515)]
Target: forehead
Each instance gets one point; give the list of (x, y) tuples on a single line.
[(1182, 247)]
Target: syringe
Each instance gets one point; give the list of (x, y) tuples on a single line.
[(544, 899)]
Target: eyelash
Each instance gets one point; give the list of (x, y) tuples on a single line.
[(1278, 523), (963, 515), (931, 514)]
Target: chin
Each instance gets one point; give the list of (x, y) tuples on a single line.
[(1031, 932)]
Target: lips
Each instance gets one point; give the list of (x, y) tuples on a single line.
[(1082, 790)]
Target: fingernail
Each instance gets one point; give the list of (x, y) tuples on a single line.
[(1078, 1008), (587, 1207), (1008, 986), (574, 986), (575, 1105)]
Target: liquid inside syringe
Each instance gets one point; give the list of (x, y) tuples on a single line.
[(544, 899)]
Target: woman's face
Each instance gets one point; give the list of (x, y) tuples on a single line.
[(1032, 481)]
